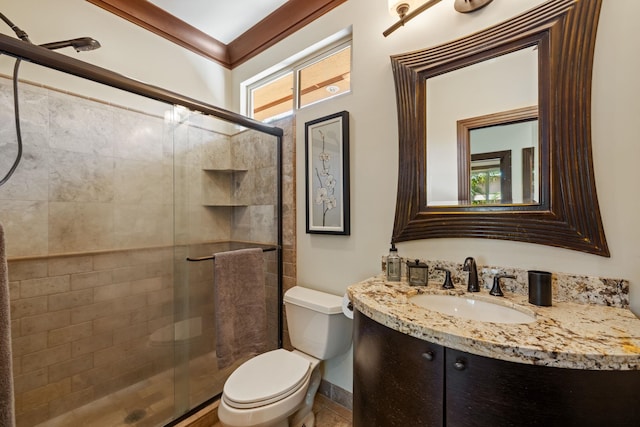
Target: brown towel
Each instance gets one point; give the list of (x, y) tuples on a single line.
[(239, 302), (7, 416)]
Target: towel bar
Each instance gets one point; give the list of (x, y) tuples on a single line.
[(206, 258)]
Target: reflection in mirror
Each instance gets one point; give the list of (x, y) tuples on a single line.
[(507, 82), (553, 194), (508, 140)]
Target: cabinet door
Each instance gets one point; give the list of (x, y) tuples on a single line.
[(397, 379), (487, 392)]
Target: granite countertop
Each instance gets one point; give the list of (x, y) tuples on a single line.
[(565, 335)]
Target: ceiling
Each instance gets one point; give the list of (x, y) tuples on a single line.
[(228, 32), (222, 20)]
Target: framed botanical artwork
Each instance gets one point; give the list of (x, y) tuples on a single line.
[(327, 174)]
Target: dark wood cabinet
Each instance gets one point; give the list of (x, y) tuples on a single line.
[(395, 385), (397, 379)]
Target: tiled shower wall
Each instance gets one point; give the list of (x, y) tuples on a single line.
[(89, 220)]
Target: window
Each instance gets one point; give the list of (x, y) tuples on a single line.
[(491, 178), (315, 78), (273, 99)]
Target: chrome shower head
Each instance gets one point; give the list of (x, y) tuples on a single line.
[(81, 44)]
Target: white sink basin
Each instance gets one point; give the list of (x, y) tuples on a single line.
[(471, 309)]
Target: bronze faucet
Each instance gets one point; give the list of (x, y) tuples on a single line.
[(470, 266)]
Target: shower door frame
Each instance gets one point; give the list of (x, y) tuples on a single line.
[(42, 56)]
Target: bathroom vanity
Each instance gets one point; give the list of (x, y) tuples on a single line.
[(572, 364)]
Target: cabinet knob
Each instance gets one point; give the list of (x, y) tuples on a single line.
[(428, 355), (460, 365)]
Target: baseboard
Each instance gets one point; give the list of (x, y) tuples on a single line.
[(336, 394)]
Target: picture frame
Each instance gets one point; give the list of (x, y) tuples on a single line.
[(327, 175)]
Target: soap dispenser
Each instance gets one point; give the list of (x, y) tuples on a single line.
[(393, 265)]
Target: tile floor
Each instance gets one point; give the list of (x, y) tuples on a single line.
[(150, 403), (328, 414)]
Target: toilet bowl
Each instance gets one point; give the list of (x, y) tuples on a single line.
[(268, 389), (277, 388)]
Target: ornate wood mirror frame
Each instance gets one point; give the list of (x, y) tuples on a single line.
[(567, 214)]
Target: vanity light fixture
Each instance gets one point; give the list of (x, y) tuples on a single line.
[(409, 9)]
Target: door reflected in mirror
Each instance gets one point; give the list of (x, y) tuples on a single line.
[(498, 164), (486, 98)]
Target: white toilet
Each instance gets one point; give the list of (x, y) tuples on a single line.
[(277, 388)]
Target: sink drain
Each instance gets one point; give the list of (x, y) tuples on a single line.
[(135, 416)]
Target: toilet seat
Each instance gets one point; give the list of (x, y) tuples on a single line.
[(265, 379)]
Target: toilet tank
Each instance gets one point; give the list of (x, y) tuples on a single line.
[(316, 323)]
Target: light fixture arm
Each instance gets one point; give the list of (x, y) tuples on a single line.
[(410, 16), (462, 6)]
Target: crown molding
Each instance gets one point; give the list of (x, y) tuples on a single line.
[(284, 21)]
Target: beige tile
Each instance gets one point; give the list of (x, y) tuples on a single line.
[(69, 333), (80, 177), (113, 355), (93, 376), (161, 296), (30, 180), (68, 265), (146, 285), (59, 371), (130, 333), (45, 322), (137, 136), (30, 381), (91, 344), (130, 303), (66, 403), (44, 358), (111, 260), (105, 324), (25, 225), (129, 274), (90, 280), (28, 307), (91, 312), (31, 417), (217, 153), (108, 292), (70, 299), (29, 343), (45, 286), (216, 188), (28, 269), (69, 132), (79, 227), (143, 224), (138, 181), (41, 395)]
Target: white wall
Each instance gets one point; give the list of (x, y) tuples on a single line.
[(332, 263), (126, 49)]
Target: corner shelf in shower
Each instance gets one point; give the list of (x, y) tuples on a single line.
[(217, 187), (224, 170)]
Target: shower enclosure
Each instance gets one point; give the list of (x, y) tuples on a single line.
[(120, 184)]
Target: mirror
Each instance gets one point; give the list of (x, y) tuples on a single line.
[(452, 182), (476, 97)]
